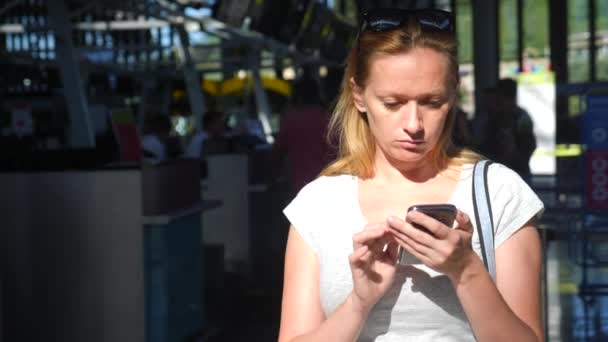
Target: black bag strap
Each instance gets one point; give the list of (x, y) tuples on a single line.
[(483, 215)]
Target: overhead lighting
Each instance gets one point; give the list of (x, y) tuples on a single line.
[(213, 25), (241, 74), (177, 19), (289, 73), (323, 71), (192, 26), (121, 25), (11, 28)]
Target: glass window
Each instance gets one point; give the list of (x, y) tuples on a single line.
[(601, 33), (444, 5), (507, 17), (507, 42), (464, 26), (578, 41), (536, 36), (464, 32)]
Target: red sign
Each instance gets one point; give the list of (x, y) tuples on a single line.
[(596, 179)]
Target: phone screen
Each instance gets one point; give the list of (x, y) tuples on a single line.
[(444, 213)]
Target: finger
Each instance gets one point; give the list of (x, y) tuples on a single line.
[(435, 227), (367, 235), (405, 240), (380, 244), (414, 251), (402, 230), (365, 258), (358, 254), (463, 222)]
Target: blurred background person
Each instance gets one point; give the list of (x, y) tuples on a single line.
[(517, 124), (505, 131), (214, 129), (155, 141), (461, 133), (481, 127), (302, 135)]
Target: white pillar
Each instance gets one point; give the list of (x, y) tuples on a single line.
[(80, 130), (261, 98), (192, 79)]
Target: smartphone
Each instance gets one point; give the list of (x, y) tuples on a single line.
[(444, 213)]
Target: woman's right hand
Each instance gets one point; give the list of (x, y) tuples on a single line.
[(373, 268)]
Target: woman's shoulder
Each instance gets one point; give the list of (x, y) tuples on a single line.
[(497, 173), (317, 203), (507, 187), (324, 185), (501, 174), (502, 181), (514, 203)]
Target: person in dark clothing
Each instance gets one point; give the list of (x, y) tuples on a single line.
[(508, 135), (302, 133), (518, 125), (461, 134)]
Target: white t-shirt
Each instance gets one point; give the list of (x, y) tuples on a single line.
[(422, 304), (195, 147), (152, 144)]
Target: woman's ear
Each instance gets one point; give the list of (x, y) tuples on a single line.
[(358, 96)]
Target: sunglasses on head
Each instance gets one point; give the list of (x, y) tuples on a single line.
[(385, 19)]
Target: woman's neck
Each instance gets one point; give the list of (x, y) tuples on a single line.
[(392, 171)]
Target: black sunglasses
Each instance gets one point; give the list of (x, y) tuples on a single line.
[(385, 19)]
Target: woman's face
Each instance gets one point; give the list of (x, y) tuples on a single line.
[(406, 100)]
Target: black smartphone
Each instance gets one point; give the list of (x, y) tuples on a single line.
[(444, 213)]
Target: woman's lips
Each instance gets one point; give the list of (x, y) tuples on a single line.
[(407, 143)]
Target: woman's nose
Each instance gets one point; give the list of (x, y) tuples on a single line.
[(412, 120)]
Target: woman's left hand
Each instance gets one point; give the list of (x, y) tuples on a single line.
[(444, 249)]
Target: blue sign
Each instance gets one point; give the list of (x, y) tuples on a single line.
[(595, 121)]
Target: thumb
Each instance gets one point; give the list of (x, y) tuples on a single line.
[(464, 222)]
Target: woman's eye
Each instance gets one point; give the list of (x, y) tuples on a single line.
[(433, 103), (391, 105)]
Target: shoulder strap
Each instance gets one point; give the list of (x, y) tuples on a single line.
[(483, 214)]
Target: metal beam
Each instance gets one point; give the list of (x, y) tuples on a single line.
[(221, 30), (7, 7), (558, 43), (75, 13), (520, 34), (80, 129), (191, 78), (485, 46), (592, 41), (261, 98)]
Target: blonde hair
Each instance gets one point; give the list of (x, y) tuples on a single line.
[(356, 144)]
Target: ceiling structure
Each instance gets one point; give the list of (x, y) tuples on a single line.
[(144, 35)]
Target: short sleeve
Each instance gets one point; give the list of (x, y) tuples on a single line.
[(513, 202), (301, 213)]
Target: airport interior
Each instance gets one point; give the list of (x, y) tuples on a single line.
[(145, 163)]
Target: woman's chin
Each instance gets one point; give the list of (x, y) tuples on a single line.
[(408, 156)]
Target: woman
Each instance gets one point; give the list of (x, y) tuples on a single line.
[(394, 118)]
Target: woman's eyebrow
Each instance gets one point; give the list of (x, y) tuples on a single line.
[(398, 96)]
